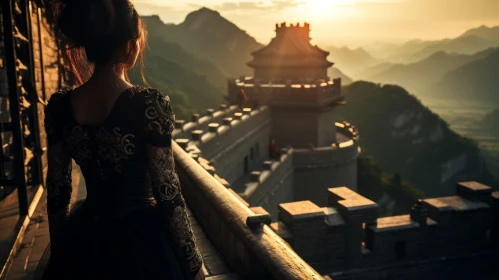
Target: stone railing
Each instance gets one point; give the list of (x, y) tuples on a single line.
[(347, 129), (257, 253), (305, 95), (222, 135), (184, 129)]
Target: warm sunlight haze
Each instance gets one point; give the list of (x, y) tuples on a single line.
[(254, 135), (354, 23)]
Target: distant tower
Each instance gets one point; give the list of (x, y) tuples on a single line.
[(290, 75), (290, 56)]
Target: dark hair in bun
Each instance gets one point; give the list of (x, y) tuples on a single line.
[(90, 31)]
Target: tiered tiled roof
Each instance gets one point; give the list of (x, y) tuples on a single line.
[(290, 47)]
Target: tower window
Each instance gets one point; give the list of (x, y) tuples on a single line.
[(251, 153)]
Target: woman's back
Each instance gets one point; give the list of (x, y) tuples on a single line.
[(133, 193), (112, 154), (134, 216)]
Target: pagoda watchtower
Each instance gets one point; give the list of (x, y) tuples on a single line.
[(290, 75), (290, 56)]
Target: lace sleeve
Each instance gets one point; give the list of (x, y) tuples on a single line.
[(58, 182), (166, 185)]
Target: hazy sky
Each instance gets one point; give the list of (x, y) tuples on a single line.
[(340, 22)]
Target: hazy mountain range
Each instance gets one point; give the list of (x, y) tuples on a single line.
[(458, 68), (405, 137), (470, 42), (477, 80), (207, 34), (418, 76), (351, 60)]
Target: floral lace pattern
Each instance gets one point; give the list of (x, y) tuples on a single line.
[(114, 147), (159, 122), (159, 117)]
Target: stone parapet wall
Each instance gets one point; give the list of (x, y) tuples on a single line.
[(336, 154), (312, 95), (236, 145), (184, 128), (351, 241), (239, 128), (272, 185), (256, 253), (326, 167)]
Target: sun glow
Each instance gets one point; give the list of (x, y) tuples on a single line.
[(320, 9)]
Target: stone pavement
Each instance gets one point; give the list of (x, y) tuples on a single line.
[(36, 240)]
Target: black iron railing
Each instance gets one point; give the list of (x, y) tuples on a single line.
[(22, 100)]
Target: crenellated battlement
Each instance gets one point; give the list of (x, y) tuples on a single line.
[(287, 94), (347, 239), (302, 29), (183, 128)]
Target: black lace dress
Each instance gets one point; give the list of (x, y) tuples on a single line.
[(133, 223)]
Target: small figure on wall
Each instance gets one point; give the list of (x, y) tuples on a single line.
[(274, 152), (242, 98)]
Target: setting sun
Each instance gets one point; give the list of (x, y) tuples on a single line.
[(323, 9)]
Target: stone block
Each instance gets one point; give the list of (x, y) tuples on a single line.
[(195, 156), (179, 124), (196, 135), (223, 107), (296, 215), (238, 116), (213, 127), (267, 165), (227, 121), (475, 191), (210, 112), (195, 118), (352, 206), (182, 142), (246, 111), (255, 176)]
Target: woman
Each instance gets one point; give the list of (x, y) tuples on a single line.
[(133, 223)]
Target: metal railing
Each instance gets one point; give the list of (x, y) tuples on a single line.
[(21, 99)]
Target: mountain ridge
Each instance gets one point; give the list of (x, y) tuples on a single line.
[(407, 138), (475, 80), (207, 34), (418, 76)]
